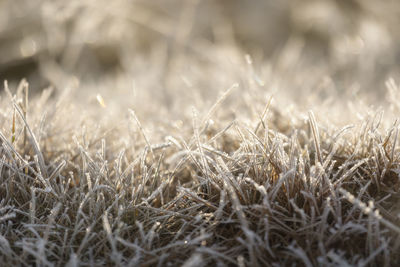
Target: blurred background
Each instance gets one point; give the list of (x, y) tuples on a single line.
[(333, 45)]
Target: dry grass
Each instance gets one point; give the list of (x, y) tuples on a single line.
[(193, 153)]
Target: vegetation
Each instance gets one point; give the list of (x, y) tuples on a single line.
[(175, 150)]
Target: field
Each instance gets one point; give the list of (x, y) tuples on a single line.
[(195, 133)]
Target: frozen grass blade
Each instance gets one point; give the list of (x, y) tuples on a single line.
[(315, 133), (218, 103), (369, 210), (133, 114), (34, 143)]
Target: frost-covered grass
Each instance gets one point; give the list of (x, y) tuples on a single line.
[(92, 185), (197, 154)]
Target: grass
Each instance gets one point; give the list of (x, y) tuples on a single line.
[(200, 156), (228, 192)]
